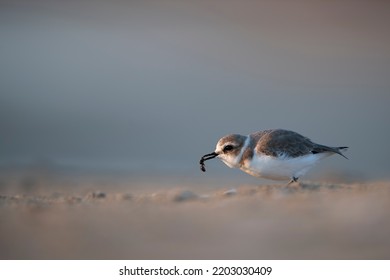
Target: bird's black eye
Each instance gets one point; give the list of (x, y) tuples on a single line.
[(228, 148)]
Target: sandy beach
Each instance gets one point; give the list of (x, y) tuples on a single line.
[(96, 219)]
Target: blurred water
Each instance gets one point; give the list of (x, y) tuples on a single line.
[(150, 86)]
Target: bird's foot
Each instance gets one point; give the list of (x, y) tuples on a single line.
[(293, 180)]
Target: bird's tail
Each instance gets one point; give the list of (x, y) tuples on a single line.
[(325, 149), (339, 150)]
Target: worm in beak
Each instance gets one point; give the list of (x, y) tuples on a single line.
[(204, 158)]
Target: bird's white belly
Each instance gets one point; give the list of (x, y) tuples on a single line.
[(280, 168)]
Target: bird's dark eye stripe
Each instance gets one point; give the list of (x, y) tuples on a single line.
[(228, 148)]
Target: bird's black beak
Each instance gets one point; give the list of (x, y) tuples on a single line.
[(204, 158)]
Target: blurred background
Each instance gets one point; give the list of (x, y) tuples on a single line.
[(106, 108), (148, 87)]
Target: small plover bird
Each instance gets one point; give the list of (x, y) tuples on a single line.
[(275, 154)]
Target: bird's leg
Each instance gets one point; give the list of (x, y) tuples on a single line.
[(293, 180)]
